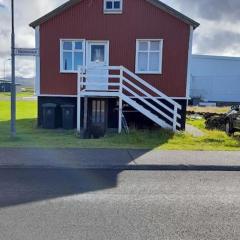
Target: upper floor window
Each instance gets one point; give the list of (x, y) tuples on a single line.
[(72, 55), (149, 56), (113, 6)]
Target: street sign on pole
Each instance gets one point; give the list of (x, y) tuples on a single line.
[(27, 52)]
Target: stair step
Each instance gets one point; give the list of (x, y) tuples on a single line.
[(146, 112)]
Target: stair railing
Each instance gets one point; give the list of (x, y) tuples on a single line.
[(124, 85)]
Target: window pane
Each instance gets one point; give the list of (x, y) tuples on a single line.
[(94, 109), (142, 61), (155, 45), (109, 4), (98, 120), (97, 53), (102, 111), (78, 60), (117, 5), (143, 46), (67, 61), (67, 45), (78, 45), (154, 62)]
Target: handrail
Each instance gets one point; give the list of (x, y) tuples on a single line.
[(150, 105), (151, 97), (84, 74), (101, 68), (101, 84), (136, 77)]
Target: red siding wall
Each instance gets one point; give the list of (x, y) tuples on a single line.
[(140, 19)]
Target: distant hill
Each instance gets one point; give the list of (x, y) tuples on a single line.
[(24, 82)]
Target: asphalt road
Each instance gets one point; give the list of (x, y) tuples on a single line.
[(73, 204)]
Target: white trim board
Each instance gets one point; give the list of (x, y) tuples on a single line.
[(37, 62), (61, 95), (56, 95)]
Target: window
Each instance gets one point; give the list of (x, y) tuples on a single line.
[(72, 55), (97, 53), (113, 6), (149, 56)]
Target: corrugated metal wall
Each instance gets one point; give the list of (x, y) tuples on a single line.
[(215, 79), (140, 19)]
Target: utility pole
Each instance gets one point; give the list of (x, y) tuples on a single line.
[(13, 85)]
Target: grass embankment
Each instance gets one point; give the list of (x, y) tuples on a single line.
[(28, 135), (218, 110)]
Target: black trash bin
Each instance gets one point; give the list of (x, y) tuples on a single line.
[(49, 113), (67, 116)]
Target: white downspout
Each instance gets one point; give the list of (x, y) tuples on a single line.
[(189, 64), (79, 101)]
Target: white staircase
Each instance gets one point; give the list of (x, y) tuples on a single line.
[(133, 90)]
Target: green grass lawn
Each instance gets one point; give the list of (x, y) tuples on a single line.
[(28, 92), (28, 135)]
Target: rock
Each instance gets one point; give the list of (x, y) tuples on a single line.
[(216, 122)]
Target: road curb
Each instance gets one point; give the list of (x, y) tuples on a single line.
[(132, 167)]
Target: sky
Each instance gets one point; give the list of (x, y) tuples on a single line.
[(219, 33)]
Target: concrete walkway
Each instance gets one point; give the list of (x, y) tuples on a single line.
[(118, 159), (195, 132)]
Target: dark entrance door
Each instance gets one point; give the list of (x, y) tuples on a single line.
[(98, 113)]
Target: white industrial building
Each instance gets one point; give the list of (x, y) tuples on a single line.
[(215, 79)]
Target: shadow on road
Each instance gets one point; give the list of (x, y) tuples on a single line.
[(26, 185), (20, 186)]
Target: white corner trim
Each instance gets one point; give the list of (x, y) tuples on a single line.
[(189, 63), (74, 96), (37, 62), (56, 95)]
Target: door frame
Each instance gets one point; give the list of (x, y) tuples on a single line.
[(103, 73), (89, 121), (106, 42)]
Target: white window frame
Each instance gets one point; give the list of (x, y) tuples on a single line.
[(137, 71), (62, 70), (112, 11)]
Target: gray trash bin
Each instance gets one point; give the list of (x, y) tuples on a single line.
[(67, 116), (49, 113)]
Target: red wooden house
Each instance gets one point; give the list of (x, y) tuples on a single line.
[(115, 58)]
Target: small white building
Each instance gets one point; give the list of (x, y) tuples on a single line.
[(215, 79)]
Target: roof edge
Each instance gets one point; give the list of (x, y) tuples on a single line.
[(156, 3), (174, 12), (53, 13)]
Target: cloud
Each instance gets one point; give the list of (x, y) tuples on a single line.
[(218, 42), (25, 12), (1, 4), (218, 34), (218, 18), (214, 10)]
